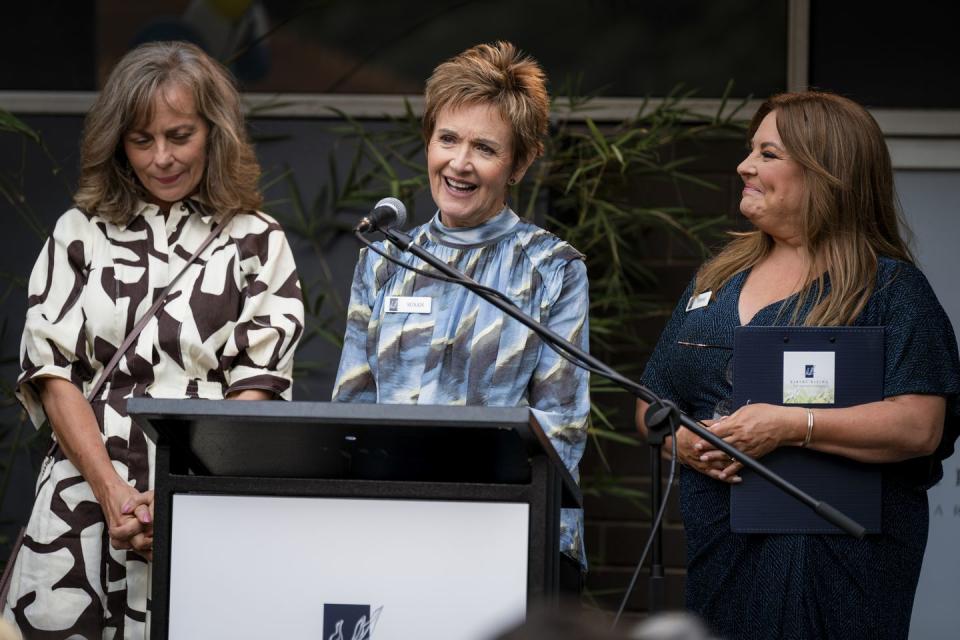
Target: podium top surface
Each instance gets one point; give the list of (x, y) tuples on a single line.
[(358, 441)]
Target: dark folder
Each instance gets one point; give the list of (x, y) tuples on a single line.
[(760, 357)]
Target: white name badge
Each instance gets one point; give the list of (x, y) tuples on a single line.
[(408, 304), (695, 302)]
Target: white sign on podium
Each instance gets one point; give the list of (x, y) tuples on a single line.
[(343, 569)]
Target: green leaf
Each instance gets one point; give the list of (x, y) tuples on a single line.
[(13, 124), (617, 437)]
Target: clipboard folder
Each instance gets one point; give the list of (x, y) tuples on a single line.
[(761, 358)]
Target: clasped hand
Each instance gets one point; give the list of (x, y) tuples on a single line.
[(755, 429), (129, 516)]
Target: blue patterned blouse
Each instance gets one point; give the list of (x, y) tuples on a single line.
[(465, 351)]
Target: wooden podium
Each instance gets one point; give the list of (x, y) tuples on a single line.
[(285, 513)]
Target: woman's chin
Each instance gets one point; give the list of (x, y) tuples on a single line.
[(751, 214), (458, 208)]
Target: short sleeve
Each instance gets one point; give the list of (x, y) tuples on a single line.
[(656, 373), (54, 341), (355, 381), (259, 353), (921, 347)]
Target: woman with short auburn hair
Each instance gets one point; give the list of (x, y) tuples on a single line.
[(485, 119), (494, 74)]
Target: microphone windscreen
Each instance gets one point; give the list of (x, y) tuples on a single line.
[(396, 205)]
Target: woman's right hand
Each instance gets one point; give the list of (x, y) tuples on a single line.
[(141, 508), (78, 434), (690, 451), (690, 448)]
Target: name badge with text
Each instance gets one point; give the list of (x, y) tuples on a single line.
[(695, 302), (408, 304)]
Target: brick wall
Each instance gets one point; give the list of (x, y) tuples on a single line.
[(617, 527)]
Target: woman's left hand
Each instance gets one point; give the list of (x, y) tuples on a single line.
[(756, 430), (136, 530)]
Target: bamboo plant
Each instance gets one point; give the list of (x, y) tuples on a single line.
[(579, 189)]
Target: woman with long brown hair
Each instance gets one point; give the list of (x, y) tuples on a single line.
[(167, 175), (827, 250)]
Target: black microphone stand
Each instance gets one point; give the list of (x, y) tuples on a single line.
[(660, 421), (662, 417)]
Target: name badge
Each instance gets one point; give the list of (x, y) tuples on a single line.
[(408, 304), (695, 302)]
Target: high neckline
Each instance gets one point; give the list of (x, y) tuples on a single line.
[(177, 210), (486, 233)]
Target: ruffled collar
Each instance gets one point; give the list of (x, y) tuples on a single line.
[(486, 233)]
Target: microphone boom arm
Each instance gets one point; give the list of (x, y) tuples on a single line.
[(666, 410)]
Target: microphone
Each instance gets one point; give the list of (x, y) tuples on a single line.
[(388, 213)]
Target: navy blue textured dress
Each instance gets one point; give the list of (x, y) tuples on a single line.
[(810, 586)]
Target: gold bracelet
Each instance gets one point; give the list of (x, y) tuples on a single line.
[(806, 441)]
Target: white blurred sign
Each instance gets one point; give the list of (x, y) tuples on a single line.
[(327, 568), (929, 201)]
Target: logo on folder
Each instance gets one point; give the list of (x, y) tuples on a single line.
[(349, 621), (809, 377)]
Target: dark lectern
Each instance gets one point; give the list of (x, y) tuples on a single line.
[(286, 470)]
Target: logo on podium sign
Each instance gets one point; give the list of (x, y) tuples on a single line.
[(349, 621)]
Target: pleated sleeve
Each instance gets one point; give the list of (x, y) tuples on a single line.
[(259, 353), (54, 341), (560, 390)]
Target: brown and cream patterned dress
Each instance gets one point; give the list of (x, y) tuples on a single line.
[(232, 322)]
